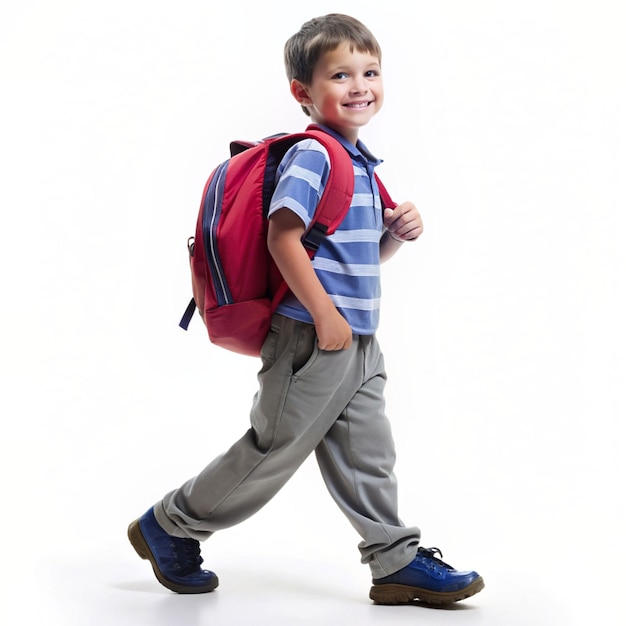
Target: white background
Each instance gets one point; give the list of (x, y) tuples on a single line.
[(503, 327)]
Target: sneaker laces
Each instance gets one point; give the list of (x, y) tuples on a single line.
[(429, 553), (188, 555)]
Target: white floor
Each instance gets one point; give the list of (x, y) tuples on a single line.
[(296, 563), (120, 591)]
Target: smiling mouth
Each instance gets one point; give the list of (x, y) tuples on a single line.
[(357, 105)]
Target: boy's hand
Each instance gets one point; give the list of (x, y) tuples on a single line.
[(333, 332), (403, 223)]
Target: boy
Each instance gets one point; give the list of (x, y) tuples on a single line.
[(322, 377)]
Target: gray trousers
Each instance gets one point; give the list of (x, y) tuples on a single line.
[(308, 400)]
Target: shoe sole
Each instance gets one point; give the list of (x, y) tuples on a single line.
[(404, 594), (140, 544)]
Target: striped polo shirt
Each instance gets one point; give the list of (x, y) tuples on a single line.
[(348, 261)]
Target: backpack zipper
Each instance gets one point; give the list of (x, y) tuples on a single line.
[(210, 222)]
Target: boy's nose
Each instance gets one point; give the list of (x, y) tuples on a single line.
[(359, 86)]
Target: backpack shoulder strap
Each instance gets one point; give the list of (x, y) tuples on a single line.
[(338, 191), (342, 162), (335, 200), (385, 198)]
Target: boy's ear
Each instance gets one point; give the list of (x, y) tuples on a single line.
[(300, 92)]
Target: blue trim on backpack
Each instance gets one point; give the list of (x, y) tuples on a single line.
[(210, 220)]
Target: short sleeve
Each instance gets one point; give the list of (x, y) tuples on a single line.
[(300, 179)]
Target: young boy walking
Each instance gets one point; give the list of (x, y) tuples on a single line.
[(321, 384)]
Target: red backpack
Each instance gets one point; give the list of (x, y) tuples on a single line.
[(236, 284)]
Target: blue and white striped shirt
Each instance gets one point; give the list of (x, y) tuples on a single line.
[(348, 261)]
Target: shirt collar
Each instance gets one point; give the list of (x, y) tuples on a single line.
[(359, 151)]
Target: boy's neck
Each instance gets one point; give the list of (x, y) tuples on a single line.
[(349, 134)]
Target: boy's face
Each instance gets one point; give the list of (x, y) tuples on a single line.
[(346, 90)]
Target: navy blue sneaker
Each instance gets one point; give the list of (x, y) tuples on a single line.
[(175, 561), (428, 579)]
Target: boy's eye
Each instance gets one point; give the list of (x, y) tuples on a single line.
[(371, 73), (341, 75)]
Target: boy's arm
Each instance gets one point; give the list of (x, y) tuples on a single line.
[(285, 245), (403, 223)]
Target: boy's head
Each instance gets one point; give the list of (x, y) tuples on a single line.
[(323, 34)]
